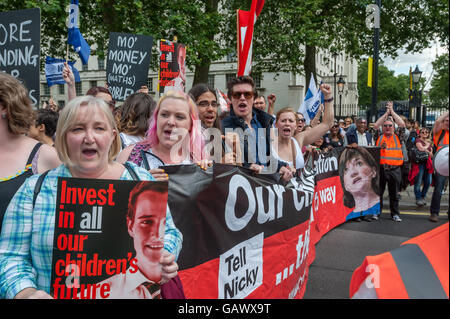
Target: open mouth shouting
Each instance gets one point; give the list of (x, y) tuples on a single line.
[(286, 131), (89, 153)]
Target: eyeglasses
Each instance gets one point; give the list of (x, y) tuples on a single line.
[(425, 132), (387, 125), (302, 120), (207, 103), (247, 95)]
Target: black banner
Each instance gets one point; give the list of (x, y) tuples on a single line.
[(128, 62), (20, 46), (220, 208)]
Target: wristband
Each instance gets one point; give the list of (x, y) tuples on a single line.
[(329, 100)]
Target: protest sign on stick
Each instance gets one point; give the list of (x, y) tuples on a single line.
[(20, 46), (172, 66), (127, 63)]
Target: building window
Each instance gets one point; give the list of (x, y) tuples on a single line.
[(150, 84), (61, 104), (84, 67), (92, 83), (61, 89), (229, 77), (101, 64), (211, 80), (78, 88), (46, 89), (257, 77)]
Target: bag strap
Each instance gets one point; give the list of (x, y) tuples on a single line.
[(131, 171), (37, 187), (294, 154), (33, 152)]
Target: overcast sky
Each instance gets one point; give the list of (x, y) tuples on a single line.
[(403, 62)]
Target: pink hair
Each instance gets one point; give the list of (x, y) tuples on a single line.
[(196, 143)]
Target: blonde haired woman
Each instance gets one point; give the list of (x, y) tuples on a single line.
[(87, 143)]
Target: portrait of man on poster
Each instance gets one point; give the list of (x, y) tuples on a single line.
[(145, 222)]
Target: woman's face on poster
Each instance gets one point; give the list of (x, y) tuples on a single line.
[(358, 175)]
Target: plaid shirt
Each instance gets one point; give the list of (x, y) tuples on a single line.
[(26, 242)]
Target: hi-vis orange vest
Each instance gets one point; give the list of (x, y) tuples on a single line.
[(392, 154), (418, 269), (443, 141)]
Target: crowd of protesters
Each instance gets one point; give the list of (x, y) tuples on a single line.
[(92, 137)]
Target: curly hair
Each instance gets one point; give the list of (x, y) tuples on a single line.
[(136, 112), (14, 98)]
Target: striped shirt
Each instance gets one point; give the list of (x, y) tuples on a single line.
[(26, 241)]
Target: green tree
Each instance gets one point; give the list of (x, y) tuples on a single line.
[(439, 92), (286, 37), (390, 88)]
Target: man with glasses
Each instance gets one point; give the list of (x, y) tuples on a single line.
[(301, 122), (391, 158), (254, 124)]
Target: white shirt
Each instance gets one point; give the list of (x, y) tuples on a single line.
[(299, 161), (129, 139), (126, 286)]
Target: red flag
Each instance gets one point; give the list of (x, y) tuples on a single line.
[(245, 24)]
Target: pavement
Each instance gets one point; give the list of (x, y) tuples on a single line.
[(408, 205), (344, 248)]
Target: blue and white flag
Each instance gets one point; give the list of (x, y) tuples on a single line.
[(74, 37), (54, 68), (310, 106)]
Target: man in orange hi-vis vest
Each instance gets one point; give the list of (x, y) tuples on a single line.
[(440, 139), (391, 158), (418, 269)]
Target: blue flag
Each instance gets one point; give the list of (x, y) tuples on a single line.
[(74, 37), (310, 106), (54, 68)]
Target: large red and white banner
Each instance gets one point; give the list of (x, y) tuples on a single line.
[(245, 23), (245, 236)]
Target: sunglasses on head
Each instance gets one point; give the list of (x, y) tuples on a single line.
[(237, 95)]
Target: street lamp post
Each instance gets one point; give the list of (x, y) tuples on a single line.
[(341, 84), (416, 94), (335, 74)]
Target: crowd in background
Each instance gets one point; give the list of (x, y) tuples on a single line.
[(144, 130)]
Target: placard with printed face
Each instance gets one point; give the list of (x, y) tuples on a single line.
[(109, 237)]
